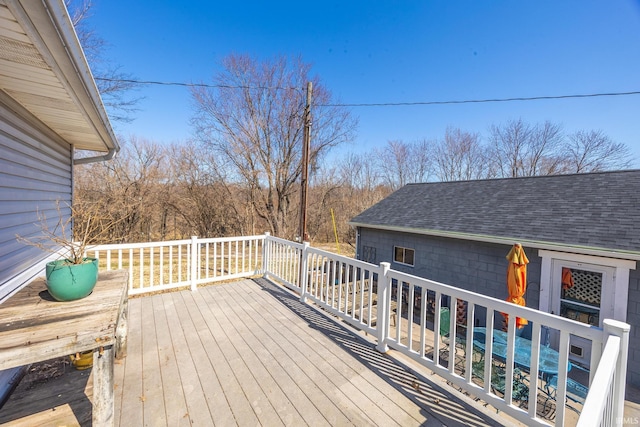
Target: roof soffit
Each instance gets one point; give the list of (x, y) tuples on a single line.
[(41, 70)]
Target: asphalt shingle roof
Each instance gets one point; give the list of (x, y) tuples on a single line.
[(597, 210)]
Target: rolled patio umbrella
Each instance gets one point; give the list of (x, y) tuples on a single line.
[(517, 279)]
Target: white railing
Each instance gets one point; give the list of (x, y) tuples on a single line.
[(343, 286), (282, 262), (601, 406), (158, 266), (400, 310)]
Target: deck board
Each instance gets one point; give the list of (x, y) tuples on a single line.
[(373, 399), (305, 354), (131, 366), (172, 377), (194, 397), (201, 348), (152, 394), (249, 353)]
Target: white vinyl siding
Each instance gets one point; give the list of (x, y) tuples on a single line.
[(35, 171)]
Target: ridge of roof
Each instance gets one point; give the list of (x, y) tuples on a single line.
[(594, 210), (564, 175)]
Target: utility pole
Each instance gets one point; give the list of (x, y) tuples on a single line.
[(304, 181)]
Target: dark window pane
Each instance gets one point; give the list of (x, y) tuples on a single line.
[(408, 256), (398, 254)]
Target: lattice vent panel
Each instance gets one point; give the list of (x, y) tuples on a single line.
[(587, 287), (369, 254)]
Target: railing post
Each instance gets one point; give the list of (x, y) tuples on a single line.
[(194, 263), (619, 329), (303, 272), (382, 322), (265, 253)]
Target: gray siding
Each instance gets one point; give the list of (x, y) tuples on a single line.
[(474, 266), (35, 171), (481, 267)]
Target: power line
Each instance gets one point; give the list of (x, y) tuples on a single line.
[(479, 101), (377, 104), (212, 86)]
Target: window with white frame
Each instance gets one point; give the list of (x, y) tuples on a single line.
[(403, 255)]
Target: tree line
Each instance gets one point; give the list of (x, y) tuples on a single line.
[(152, 191), (512, 149)]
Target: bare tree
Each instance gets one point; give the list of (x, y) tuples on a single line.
[(201, 197), (130, 187), (521, 149), (593, 151), (361, 173), (460, 156), (402, 162), (252, 119)]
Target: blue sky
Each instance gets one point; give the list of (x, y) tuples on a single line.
[(401, 51)]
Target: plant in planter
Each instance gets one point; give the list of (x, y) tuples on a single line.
[(73, 276)]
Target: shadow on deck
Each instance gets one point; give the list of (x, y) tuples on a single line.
[(436, 404)]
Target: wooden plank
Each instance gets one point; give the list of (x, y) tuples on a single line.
[(52, 328), (291, 402), (128, 382), (332, 361), (234, 393), (303, 365), (172, 388), (122, 328), (370, 392), (152, 397), (280, 329), (388, 385), (255, 366), (203, 350)]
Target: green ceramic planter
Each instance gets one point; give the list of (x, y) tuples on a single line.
[(68, 282)]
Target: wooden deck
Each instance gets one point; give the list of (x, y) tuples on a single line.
[(249, 353)]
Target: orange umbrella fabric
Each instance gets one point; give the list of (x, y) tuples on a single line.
[(567, 278), (517, 279)]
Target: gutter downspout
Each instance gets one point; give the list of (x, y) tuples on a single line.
[(95, 159)]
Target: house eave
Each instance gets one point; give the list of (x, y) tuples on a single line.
[(505, 240), (61, 94)]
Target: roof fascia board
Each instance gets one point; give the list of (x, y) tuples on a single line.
[(559, 247), (48, 25)]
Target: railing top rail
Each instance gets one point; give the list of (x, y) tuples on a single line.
[(231, 239), (165, 243), (115, 246), (345, 259), (572, 326), (285, 242)]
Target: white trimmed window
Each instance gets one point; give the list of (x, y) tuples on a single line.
[(403, 255)]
